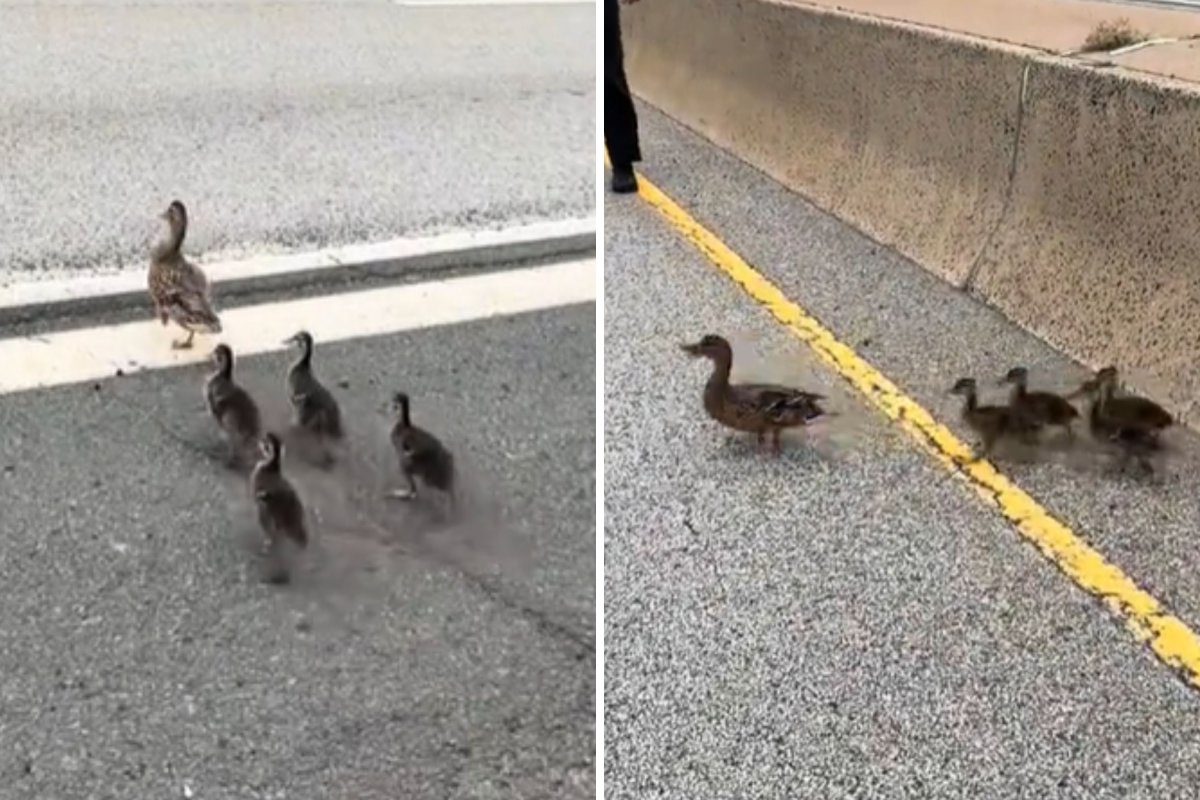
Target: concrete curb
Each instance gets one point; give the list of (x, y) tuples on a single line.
[(41, 301), (1062, 194)]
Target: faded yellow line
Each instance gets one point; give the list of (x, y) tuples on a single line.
[(1170, 638)]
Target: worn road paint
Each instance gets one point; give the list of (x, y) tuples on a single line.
[(1169, 638), (36, 292), (72, 356)]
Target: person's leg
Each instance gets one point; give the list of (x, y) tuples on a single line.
[(620, 117)]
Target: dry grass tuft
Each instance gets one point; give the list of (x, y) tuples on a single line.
[(1111, 35)]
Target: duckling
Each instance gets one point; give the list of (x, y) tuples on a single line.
[(1129, 412), (230, 405), (421, 454), (315, 408), (178, 287), (280, 511), (1037, 409), (990, 422), (758, 408), (1131, 442)]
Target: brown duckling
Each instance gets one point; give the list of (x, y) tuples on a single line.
[(1130, 412), (759, 408), (1037, 409), (1131, 442), (421, 454), (991, 422), (230, 405), (315, 408), (178, 287), (280, 511)]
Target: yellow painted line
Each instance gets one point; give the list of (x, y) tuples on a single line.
[(1169, 637)]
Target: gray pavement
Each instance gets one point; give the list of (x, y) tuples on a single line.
[(141, 655), (285, 125), (852, 621)]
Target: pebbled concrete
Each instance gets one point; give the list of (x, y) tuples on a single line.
[(1060, 26), (925, 334), (851, 621), (1060, 193), (140, 656), (284, 125)]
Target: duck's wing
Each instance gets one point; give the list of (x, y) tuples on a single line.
[(191, 309), (783, 403)]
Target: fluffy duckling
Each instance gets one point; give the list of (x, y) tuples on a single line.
[(315, 408), (759, 408), (421, 454), (280, 511), (1128, 413), (178, 287), (231, 406), (1037, 409), (1130, 441), (991, 422)]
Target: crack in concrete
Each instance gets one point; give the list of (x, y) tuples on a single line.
[(968, 283)]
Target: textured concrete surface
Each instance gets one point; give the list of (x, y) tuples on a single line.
[(919, 160), (1179, 60), (140, 656), (285, 125), (924, 334), (1098, 251), (1070, 210), (850, 621), (1059, 26)]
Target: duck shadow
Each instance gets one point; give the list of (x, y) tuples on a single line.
[(1085, 455)]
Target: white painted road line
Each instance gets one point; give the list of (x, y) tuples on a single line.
[(86, 354), (56, 291)]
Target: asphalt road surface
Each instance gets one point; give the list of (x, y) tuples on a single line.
[(285, 125), (141, 655), (852, 620)]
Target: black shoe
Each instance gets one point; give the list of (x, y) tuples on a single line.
[(623, 180)]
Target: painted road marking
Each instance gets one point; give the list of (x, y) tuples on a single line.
[(73, 356), (77, 288), (1169, 638)]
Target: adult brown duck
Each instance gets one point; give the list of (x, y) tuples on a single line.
[(764, 409), (178, 288)]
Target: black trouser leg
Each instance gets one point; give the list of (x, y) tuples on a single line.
[(620, 118)]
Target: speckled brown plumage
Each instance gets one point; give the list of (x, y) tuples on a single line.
[(178, 288), (764, 409)]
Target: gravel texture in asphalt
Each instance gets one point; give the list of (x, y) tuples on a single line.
[(850, 620), (284, 125), (142, 655)]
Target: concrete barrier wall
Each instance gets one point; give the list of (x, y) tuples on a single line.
[(1072, 211), (1100, 250)]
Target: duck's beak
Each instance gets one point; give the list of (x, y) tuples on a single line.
[(692, 350)]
